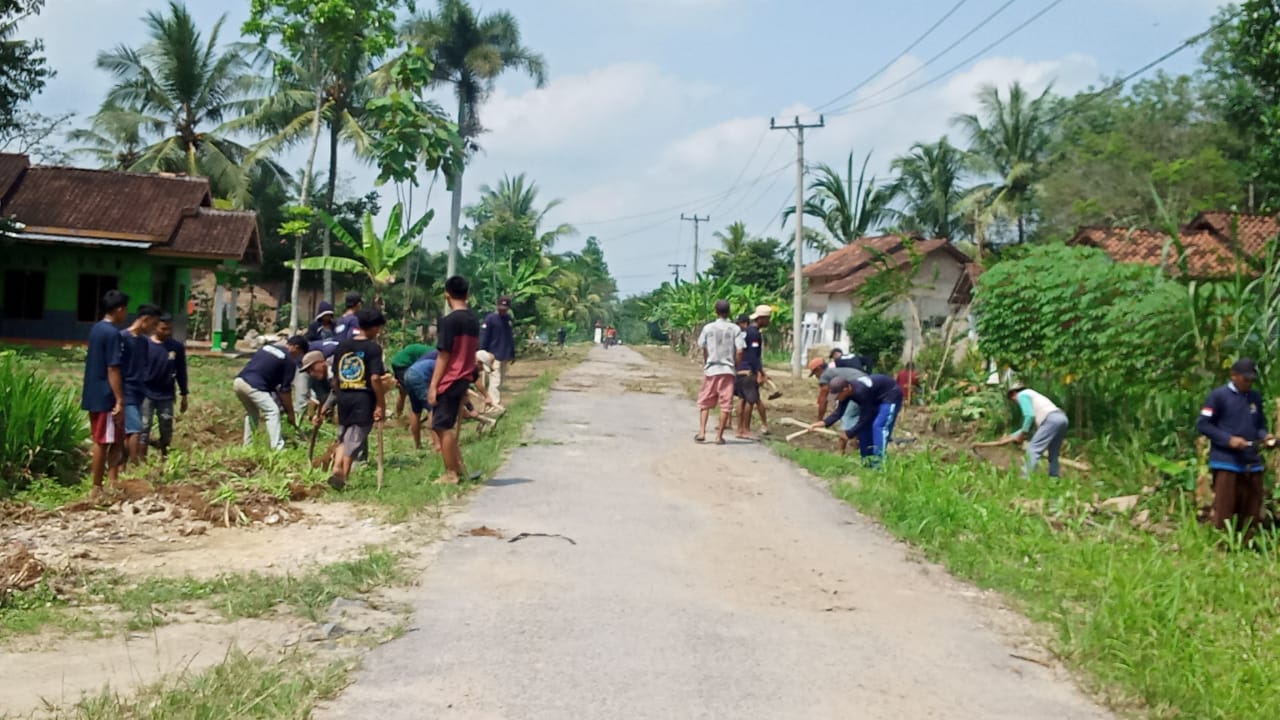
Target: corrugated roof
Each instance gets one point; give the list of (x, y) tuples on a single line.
[(105, 203), (216, 234), (11, 169)]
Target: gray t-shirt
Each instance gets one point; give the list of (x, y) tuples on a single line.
[(832, 373), (722, 341)]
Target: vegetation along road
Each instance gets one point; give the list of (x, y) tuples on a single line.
[(616, 569)]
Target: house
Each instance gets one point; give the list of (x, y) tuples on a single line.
[(71, 234), (940, 288), (1214, 244)]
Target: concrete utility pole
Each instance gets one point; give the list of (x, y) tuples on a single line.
[(675, 267), (797, 299), (696, 221)]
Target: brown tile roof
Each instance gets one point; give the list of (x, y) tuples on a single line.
[(216, 235), (869, 257), (104, 203), (11, 169), (1207, 254), (1252, 232)]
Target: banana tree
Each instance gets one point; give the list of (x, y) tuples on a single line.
[(377, 257)]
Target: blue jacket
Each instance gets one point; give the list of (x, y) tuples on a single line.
[(497, 336), (1226, 413), (869, 393), (166, 364)]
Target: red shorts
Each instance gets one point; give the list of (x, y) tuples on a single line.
[(105, 428), (717, 390)]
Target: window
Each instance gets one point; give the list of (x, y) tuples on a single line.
[(89, 295), (23, 295), (837, 330)]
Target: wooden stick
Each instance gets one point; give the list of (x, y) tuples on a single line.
[(796, 434), (380, 468), (1073, 464), (807, 426)]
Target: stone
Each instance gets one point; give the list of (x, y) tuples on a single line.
[(1122, 504)]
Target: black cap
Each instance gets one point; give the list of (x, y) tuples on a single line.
[(1245, 368), (354, 299), (744, 318), (504, 302)]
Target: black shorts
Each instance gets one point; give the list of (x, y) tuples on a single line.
[(746, 387), (398, 373), (444, 416)]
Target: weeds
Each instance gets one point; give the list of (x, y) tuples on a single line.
[(42, 429)]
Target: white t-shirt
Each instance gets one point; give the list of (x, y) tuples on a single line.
[(722, 340)]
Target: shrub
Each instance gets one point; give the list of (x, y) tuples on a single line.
[(42, 429), (878, 335)]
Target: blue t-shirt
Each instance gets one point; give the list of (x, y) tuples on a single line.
[(344, 328), (498, 337), (324, 347), (166, 364), (425, 366), (751, 354), (104, 352), (134, 366), (270, 369)]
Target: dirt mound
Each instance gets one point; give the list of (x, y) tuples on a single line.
[(201, 502), (19, 570)]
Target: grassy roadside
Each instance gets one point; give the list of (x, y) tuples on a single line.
[(1169, 626)]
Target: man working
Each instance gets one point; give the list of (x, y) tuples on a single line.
[(498, 337), (269, 373), (362, 390), (134, 341), (345, 328), (400, 362), (878, 398), (1051, 428), (751, 373), (166, 365), (417, 384), (103, 392), (825, 374), (322, 327), (455, 367), (1235, 422), (722, 344)]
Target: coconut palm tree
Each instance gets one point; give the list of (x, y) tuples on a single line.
[(186, 87), (1010, 138), (114, 137), (847, 210), (733, 238), (927, 195), (470, 51), (515, 200)]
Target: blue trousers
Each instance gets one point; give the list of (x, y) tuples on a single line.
[(873, 442)]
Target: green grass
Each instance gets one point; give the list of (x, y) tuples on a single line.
[(241, 687), (1181, 624)]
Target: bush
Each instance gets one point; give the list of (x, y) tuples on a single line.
[(878, 335), (42, 429)]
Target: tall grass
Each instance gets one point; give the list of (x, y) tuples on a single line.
[(42, 429), (1180, 624)]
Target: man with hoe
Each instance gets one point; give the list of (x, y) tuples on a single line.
[(1051, 428), (879, 399), (459, 337), (826, 373), (401, 362), (362, 389), (751, 373), (1235, 422), (498, 337), (268, 374), (103, 392), (722, 344)]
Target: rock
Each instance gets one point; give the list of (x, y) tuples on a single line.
[(327, 631), (1122, 504), (272, 519), (339, 605)]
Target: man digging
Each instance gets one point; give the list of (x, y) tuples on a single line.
[(879, 399), (826, 373), (362, 389), (268, 374), (1050, 423), (722, 343)]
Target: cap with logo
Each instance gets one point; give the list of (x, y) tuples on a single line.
[(504, 302)]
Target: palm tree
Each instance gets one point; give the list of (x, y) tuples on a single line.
[(847, 210), (470, 52), (114, 137), (927, 190), (185, 86), (377, 257), (1010, 139), (515, 200), (733, 238)]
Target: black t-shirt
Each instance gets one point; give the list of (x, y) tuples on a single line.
[(355, 364)]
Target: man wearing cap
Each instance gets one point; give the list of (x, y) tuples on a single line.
[(722, 344), (878, 398), (1234, 421), (1051, 428), (346, 326), (269, 373), (825, 373), (751, 373), (322, 327), (498, 337)]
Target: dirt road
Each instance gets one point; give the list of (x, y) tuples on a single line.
[(687, 581)]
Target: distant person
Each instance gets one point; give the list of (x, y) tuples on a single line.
[(268, 375), (1235, 421), (345, 327), (134, 342), (909, 380), (361, 378), (455, 368), (166, 367), (103, 391), (560, 336), (751, 373), (497, 336), (1051, 428), (722, 343), (322, 327), (825, 374), (879, 399)]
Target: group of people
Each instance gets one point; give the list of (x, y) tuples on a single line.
[(733, 367), (135, 376)]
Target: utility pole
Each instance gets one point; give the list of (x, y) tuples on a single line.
[(676, 268), (797, 293), (696, 221)]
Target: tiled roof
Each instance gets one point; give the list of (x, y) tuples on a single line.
[(11, 169), (1252, 232), (852, 256), (104, 203), (1207, 254), (867, 258), (216, 234)]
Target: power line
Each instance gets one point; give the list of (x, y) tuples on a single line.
[(854, 107), (743, 171), (697, 221), (863, 83), (681, 206), (738, 203)]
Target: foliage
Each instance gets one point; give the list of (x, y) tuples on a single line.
[(409, 131), (847, 210), (927, 193), (33, 134), (377, 257), (23, 69), (681, 310), (750, 261), (874, 333), (42, 429)]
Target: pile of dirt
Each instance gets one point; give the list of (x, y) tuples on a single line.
[(188, 501), (19, 570)]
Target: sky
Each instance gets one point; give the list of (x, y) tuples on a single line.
[(656, 108)]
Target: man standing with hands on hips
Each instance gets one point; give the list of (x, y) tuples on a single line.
[(498, 337)]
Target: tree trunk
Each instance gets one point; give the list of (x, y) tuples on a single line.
[(335, 123), (455, 209), (295, 297), (1022, 229)]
